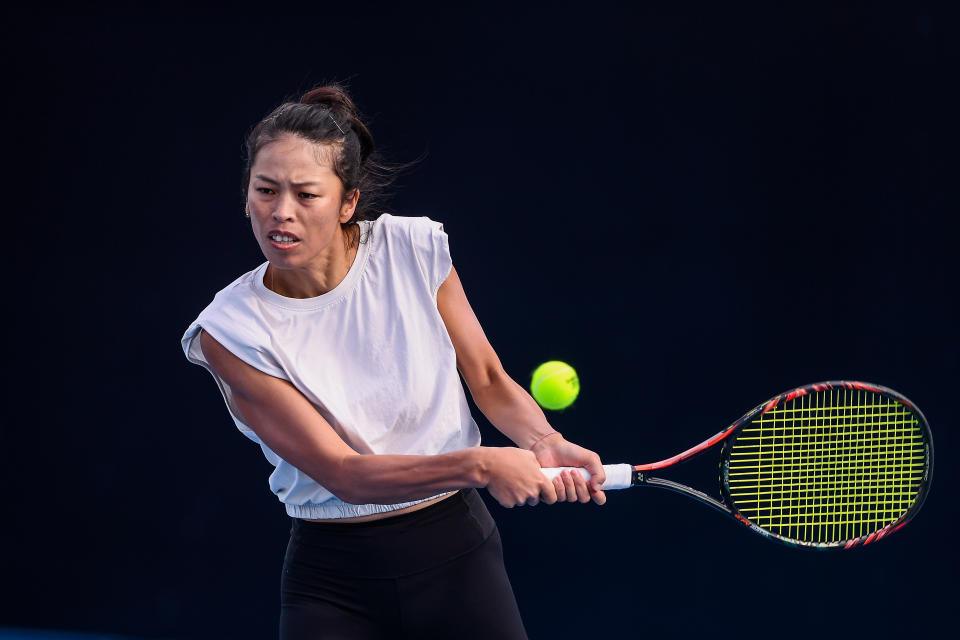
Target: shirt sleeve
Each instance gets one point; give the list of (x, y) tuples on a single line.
[(248, 340), (228, 334), (432, 249)]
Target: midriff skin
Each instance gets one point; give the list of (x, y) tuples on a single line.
[(386, 514)]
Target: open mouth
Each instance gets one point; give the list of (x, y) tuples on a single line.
[(283, 241)]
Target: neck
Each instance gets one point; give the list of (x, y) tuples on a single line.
[(320, 276)]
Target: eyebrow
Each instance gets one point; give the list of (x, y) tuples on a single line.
[(260, 176)]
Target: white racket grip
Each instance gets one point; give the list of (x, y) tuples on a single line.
[(618, 475)]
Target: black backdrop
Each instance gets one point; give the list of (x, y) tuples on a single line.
[(695, 207)]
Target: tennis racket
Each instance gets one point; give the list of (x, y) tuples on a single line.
[(829, 465)]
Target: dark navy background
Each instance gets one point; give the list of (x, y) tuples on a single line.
[(696, 207)]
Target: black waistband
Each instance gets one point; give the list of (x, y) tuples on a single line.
[(393, 546)]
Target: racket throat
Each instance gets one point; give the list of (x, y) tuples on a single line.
[(641, 479)]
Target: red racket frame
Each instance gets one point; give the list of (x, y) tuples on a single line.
[(641, 478)]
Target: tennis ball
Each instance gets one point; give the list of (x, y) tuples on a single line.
[(554, 385)]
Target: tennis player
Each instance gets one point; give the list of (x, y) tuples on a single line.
[(339, 357)]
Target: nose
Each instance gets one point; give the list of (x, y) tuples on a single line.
[(283, 212)]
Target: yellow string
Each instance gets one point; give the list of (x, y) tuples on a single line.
[(828, 466)]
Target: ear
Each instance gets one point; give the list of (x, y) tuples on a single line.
[(349, 205)]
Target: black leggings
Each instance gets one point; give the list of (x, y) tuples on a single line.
[(433, 573)]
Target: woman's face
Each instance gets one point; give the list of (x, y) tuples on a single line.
[(295, 203)]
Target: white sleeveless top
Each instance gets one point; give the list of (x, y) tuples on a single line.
[(372, 355)]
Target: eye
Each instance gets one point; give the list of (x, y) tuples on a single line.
[(265, 190), (306, 196)]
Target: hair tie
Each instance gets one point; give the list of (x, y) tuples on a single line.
[(541, 438)]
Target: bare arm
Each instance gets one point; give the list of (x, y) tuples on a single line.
[(505, 403), (287, 423)]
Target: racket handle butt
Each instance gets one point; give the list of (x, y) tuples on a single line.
[(619, 476)]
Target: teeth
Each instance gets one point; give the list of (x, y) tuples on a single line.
[(281, 238)]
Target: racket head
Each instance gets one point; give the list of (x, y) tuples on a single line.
[(830, 465)]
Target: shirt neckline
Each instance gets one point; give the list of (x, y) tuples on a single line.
[(338, 292)]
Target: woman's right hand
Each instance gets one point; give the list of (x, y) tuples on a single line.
[(513, 477)]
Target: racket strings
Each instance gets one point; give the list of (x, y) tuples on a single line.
[(829, 466)]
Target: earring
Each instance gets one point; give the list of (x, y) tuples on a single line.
[(246, 213)]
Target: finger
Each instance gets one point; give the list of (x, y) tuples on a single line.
[(583, 491), (548, 492), (599, 497), (569, 485), (597, 474), (532, 501), (560, 489)]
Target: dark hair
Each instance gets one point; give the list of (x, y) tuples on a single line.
[(326, 115)]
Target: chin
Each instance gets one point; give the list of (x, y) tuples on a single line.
[(282, 262)]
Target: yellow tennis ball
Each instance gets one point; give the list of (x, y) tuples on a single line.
[(555, 385)]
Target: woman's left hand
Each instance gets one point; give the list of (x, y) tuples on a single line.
[(555, 451)]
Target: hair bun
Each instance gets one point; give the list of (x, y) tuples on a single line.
[(330, 97), (336, 99), (327, 115)]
